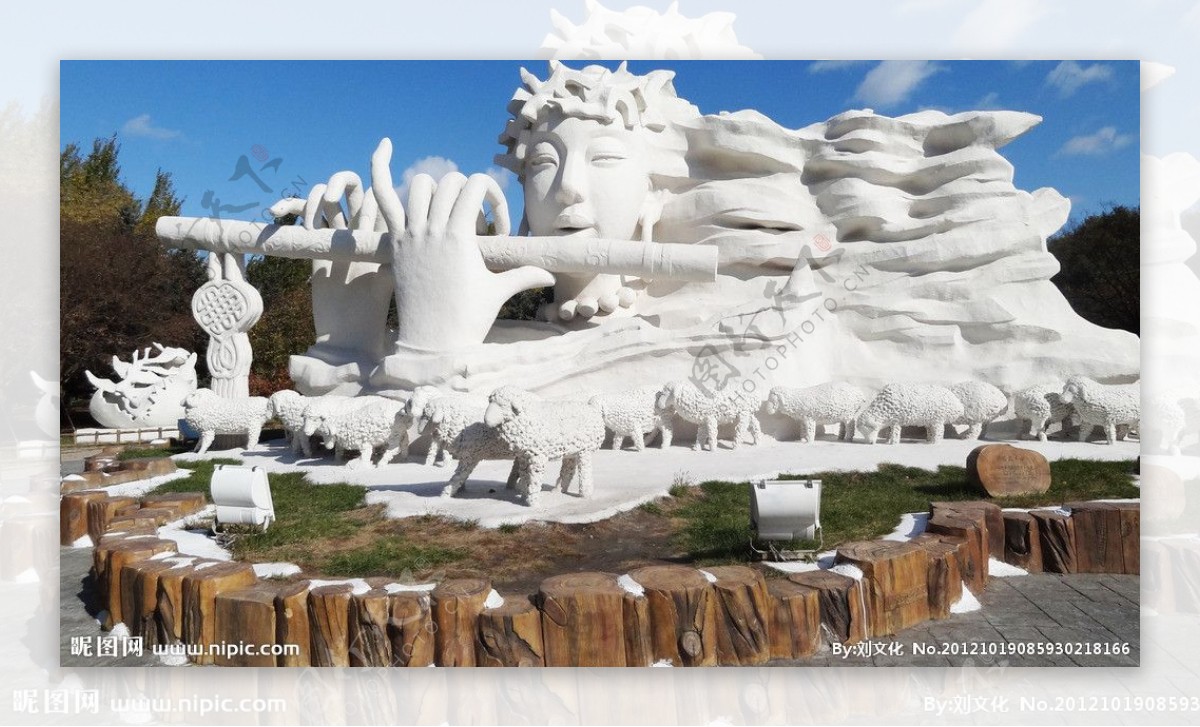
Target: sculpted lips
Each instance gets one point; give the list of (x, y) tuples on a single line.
[(574, 222)]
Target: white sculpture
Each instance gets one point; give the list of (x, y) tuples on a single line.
[(474, 444), (1039, 406), (539, 431), (906, 405), (149, 392), (685, 400), (981, 402), (905, 234), (835, 402), (444, 416), (211, 414), (633, 414), (327, 405), (289, 407), (1101, 405), (380, 422)]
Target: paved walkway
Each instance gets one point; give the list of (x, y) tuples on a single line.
[(1027, 610), (1034, 609)]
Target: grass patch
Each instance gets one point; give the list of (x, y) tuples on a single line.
[(714, 518), (198, 480), (652, 508), (392, 556), (148, 452), (509, 528)]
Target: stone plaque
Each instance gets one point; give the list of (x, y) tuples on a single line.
[(1002, 470)]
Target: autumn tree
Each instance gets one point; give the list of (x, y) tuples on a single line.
[(1100, 275)]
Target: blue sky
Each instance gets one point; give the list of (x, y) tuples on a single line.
[(297, 122)]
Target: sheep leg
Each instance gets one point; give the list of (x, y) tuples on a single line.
[(444, 456), (847, 433), (566, 472), (871, 435), (432, 454), (935, 432), (305, 444), (584, 467), (710, 429), (365, 451), (466, 465), (1084, 430), (755, 429), (205, 441), (514, 476), (1110, 432), (252, 435), (396, 443), (741, 428), (894, 434), (975, 431), (639, 440), (618, 441), (666, 436), (808, 430), (535, 470)]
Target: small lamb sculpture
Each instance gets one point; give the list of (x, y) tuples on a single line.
[(1039, 406), (981, 402), (475, 443), (1102, 405), (380, 422), (899, 405), (538, 431), (690, 404), (211, 414), (633, 414), (289, 407), (325, 406), (829, 403), (445, 415)]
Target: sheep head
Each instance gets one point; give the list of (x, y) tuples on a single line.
[(665, 401), (773, 402), (1073, 389), (505, 404), (199, 397)]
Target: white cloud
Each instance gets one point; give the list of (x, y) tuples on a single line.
[(892, 82), (434, 166), (143, 127), (989, 102), (1068, 76), (502, 176), (1102, 142), (823, 66)]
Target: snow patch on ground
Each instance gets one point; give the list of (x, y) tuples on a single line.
[(268, 570), (1000, 569), (360, 586), (911, 525), (631, 586), (848, 569), (137, 488), (195, 542), (708, 576), (402, 587), (494, 600), (84, 541), (967, 603), (663, 662)]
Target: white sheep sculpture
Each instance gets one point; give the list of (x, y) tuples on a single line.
[(475, 443), (835, 402), (539, 430), (1103, 405), (685, 400), (210, 414), (326, 405), (633, 414), (1039, 406), (289, 407), (445, 416), (375, 422), (981, 402), (902, 404)]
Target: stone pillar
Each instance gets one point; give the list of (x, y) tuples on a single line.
[(226, 307)]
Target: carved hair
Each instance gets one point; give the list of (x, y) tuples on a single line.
[(637, 102)]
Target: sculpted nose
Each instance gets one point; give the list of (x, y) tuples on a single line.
[(570, 183)]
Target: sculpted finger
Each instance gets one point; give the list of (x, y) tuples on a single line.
[(445, 200), (524, 278), (480, 188), (368, 216), (420, 194), (334, 217), (587, 307), (346, 184), (289, 206), (390, 208), (312, 207)]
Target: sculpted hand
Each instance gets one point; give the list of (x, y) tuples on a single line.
[(446, 298)]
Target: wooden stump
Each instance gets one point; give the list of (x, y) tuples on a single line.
[(639, 644), (743, 614), (1056, 533), (1022, 541), (368, 619), (139, 597), (116, 556), (683, 614), (410, 629), (169, 609), (102, 510), (245, 618), (329, 624), (842, 606), (511, 635), (200, 589), (1098, 546), (457, 603), (291, 623), (73, 515), (993, 518), (944, 579), (795, 621), (133, 522), (971, 528), (583, 620), (1131, 536), (895, 577), (180, 504)]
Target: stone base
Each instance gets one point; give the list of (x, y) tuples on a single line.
[(125, 436)]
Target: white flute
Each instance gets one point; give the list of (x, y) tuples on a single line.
[(555, 254)]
